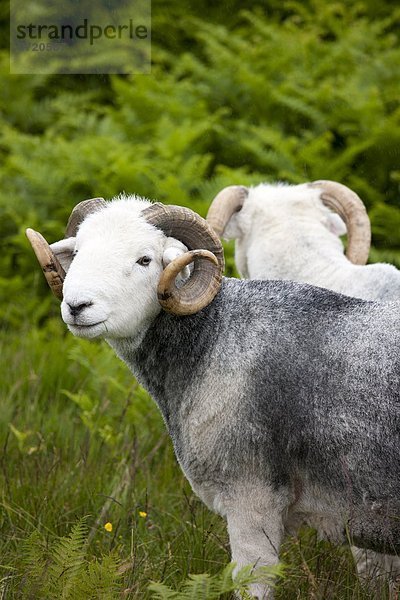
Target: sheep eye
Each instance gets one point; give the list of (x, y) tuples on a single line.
[(144, 261)]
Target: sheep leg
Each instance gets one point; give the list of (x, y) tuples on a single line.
[(375, 570), (255, 528)]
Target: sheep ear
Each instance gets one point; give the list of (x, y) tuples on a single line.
[(64, 251), (336, 224), (172, 250), (233, 227)]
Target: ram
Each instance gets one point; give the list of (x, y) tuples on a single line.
[(282, 400), (290, 232)]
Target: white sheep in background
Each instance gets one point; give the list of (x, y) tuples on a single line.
[(281, 399), (289, 232)]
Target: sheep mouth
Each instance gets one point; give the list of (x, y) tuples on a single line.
[(87, 325), (88, 330)]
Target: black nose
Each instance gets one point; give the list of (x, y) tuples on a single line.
[(75, 309)]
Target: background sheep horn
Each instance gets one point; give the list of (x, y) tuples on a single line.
[(350, 207), (225, 204), (193, 231)]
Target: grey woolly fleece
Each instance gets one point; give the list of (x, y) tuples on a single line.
[(293, 386)]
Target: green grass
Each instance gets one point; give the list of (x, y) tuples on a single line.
[(81, 440), (104, 454)]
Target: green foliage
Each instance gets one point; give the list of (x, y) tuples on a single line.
[(60, 570), (291, 92), (99, 399), (117, 465), (207, 587)]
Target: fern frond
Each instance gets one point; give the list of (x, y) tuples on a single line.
[(61, 571), (101, 580), (68, 562), (163, 592), (212, 587), (35, 561)]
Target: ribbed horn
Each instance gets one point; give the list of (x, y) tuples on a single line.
[(205, 251), (50, 264), (225, 204), (80, 212), (51, 267), (350, 207)]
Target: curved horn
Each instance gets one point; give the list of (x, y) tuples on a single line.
[(80, 212), (350, 207), (197, 293), (225, 204), (51, 267), (205, 251), (50, 264)]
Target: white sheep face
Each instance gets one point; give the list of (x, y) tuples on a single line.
[(110, 289)]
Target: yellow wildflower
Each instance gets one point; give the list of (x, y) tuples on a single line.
[(108, 526), (142, 514)]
